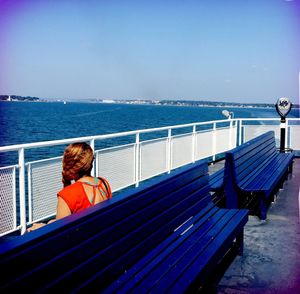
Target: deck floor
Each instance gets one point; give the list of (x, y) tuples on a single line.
[(271, 260)]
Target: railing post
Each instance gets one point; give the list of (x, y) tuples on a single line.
[(287, 145), (194, 144), (22, 191), (283, 134), (15, 198), (288, 133), (235, 131), (137, 159), (240, 131), (214, 141), (29, 193), (230, 134), (169, 151), (92, 144), (96, 172)]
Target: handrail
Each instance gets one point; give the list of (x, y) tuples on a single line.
[(101, 137), (129, 133)]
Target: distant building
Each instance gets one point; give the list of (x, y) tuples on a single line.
[(108, 101)]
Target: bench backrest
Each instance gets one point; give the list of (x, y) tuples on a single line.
[(250, 155), (243, 160), (105, 240)]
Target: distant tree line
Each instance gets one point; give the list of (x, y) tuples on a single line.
[(217, 103)]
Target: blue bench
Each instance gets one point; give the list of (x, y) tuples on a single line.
[(165, 236), (253, 174)]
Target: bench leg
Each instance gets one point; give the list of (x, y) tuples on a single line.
[(212, 282), (210, 288), (240, 243), (290, 171), (263, 209), (282, 182)]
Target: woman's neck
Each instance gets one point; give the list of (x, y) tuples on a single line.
[(86, 178)]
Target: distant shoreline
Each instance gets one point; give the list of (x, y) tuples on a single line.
[(178, 103)]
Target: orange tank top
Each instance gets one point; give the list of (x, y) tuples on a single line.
[(76, 197)]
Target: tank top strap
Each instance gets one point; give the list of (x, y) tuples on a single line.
[(104, 194), (101, 186), (94, 194), (94, 187)]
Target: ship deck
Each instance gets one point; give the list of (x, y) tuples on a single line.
[(271, 260)]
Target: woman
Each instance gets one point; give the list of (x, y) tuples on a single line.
[(86, 190)]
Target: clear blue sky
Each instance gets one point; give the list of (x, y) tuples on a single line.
[(239, 51)]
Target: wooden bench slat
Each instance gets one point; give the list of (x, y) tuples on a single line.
[(170, 256), (200, 245), (208, 211), (261, 153), (223, 239), (130, 253), (254, 173), (270, 175), (243, 170), (251, 145), (155, 255), (216, 180)]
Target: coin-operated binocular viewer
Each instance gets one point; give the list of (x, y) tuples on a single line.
[(283, 107)]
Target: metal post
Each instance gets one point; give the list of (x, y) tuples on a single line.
[(283, 107), (282, 134), (169, 151), (137, 159), (22, 190), (92, 144), (194, 144), (29, 176), (287, 137), (240, 132), (230, 134), (14, 198), (214, 141), (97, 174)]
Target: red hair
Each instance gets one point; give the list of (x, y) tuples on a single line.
[(77, 162)]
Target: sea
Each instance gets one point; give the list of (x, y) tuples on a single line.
[(28, 122)]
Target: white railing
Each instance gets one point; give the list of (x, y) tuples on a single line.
[(28, 189)]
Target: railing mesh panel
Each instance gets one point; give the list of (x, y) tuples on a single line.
[(46, 181), (153, 158), (204, 144), (182, 150), (222, 142), (295, 137), (117, 166), (252, 131), (7, 200)]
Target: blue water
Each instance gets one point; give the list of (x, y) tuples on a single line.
[(27, 122)]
